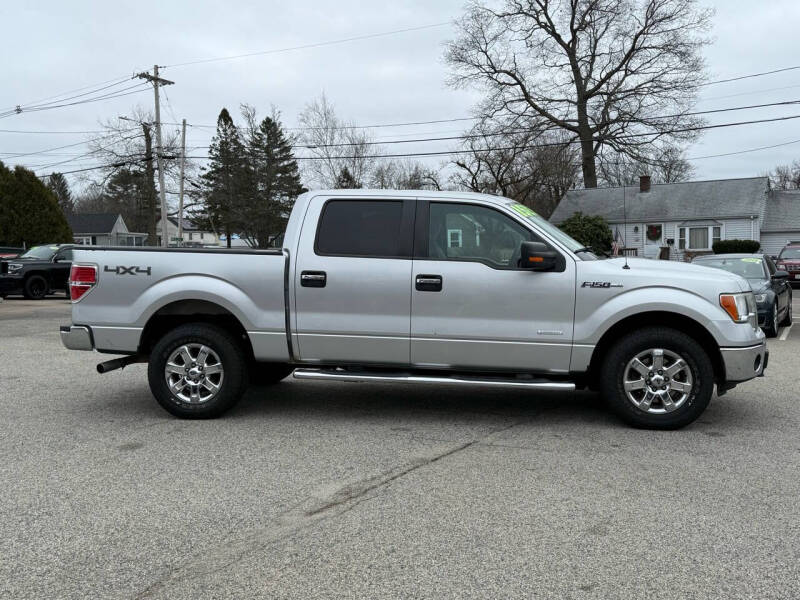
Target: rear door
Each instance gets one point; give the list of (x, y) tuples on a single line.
[(473, 307), (352, 281)]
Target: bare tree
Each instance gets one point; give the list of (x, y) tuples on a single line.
[(404, 175), (129, 175), (533, 167), (335, 145), (665, 164), (609, 73), (786, 177)]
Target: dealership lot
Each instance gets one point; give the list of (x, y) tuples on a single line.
[(321, 490)]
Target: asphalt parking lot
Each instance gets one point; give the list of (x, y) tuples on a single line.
[(320, 490)]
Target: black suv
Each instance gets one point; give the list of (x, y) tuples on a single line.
[(37, 272)]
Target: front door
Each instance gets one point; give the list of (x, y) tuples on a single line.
[(351, 284), (472, 307), (653, 239)]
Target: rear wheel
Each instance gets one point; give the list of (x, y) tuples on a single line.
[(657, 378), (197, 371), (35, 287)]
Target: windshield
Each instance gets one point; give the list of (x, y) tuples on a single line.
[(749, 267), (40, 252), (551, 230), (789, 253)]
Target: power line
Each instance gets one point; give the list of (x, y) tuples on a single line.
[(307, 46), (85, 101), (410, 123), (753, 75), (86, 87)]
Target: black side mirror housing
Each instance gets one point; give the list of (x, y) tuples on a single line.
[(780, 275), (536, 256)]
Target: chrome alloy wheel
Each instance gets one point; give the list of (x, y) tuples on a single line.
[(657, 381), (194, 373)]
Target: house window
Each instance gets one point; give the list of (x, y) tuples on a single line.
[(83, 240), (201, 235), (190, 236), (698, 238), (454, 238)]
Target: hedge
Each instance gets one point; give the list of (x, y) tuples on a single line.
[(736, 247)]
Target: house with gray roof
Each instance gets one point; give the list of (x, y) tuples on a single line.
[(103, 229), (682, 220)]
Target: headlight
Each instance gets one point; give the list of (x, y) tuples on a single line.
[(760, 298), (14, 267), (740, 307)]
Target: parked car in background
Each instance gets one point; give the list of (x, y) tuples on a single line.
[(789, 260), (9, 252), (770, 286), (37, 272)]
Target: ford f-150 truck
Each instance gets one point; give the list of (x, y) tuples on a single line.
[(428, 287)]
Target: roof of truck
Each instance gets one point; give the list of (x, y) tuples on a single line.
[(410, 195)]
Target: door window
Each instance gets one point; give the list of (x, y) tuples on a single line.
[(361, 228), (475, 233)]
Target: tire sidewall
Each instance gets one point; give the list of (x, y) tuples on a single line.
[(28, 284), (230, 354), (687, 348)]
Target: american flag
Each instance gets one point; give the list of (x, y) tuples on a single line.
[(616, 244)]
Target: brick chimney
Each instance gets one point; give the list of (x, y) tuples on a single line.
[(644, 183)]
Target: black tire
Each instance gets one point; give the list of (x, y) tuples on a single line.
[(771, 325), (787, 318), (625, 349), (232, 383), (262, 373), (35, 287)]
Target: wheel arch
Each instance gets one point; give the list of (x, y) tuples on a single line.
[(672, 320), (180, 312)]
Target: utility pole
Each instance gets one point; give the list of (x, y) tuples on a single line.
[(151, 197), (180, 195), (157, 83)]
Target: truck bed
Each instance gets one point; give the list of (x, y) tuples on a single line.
[(137, 285)]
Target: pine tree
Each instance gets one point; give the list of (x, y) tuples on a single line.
[(346, 181), (29, 212), (57, 184), (225, 178), (274, 182)]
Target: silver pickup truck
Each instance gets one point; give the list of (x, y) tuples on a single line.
[(428, 287)]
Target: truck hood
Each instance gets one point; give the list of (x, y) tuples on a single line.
[(706, 281)]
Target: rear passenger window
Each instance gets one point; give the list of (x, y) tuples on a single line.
[(360, 228)]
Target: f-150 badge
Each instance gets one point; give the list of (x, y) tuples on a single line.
[(121, 270), (600, 284)]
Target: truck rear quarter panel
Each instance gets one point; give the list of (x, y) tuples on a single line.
[(249, 286)]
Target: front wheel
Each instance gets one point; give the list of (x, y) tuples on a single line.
[(657, 378), (197, 371), (787, 318), (771, 326)]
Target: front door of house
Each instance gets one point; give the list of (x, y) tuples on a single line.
[(653, 239)]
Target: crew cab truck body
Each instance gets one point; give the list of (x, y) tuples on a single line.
[(418, 287)]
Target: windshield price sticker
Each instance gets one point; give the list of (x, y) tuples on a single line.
[(523, 210)]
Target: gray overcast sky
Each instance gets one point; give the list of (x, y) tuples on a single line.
[(51, 47)]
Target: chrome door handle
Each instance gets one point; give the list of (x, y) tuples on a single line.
[(313, 279), (428, 283)]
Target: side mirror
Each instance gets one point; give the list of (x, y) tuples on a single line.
[(780, 275), (536, 256)]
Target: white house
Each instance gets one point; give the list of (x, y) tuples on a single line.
[(685, 219), (192, 234), (103, 229)]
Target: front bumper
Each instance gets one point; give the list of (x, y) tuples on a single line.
[(742, 364), (10, 284), (76, 337)]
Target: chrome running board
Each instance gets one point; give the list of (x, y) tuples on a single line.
[(366, 376)]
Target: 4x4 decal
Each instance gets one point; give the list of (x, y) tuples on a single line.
[(121, 270)]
